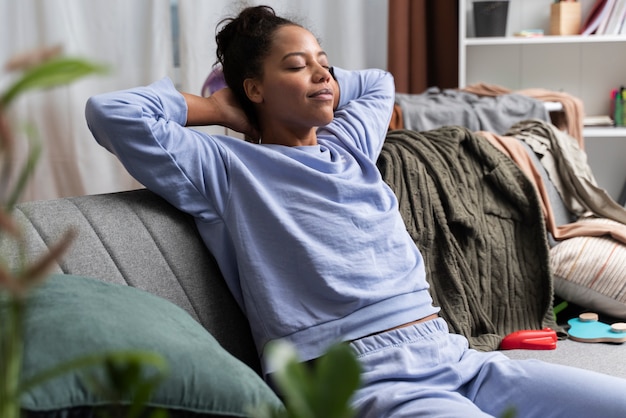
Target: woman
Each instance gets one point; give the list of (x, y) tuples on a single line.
[(309, 237)]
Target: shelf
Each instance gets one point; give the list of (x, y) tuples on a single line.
[(543, 40), (604, 132), (588, 67)]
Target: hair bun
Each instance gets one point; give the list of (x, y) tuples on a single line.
[(243, 42)]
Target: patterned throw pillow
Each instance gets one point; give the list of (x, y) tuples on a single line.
[(591, 272)]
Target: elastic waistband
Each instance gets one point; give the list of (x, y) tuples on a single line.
[(408, 324), (425, 328)]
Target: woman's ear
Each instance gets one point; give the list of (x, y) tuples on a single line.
[(253, 90)]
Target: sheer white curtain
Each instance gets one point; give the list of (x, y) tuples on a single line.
[(133, 38)]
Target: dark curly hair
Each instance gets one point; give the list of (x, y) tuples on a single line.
[(243, 42)]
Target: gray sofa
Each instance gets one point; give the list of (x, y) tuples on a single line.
[(136, 238), (130, 246)]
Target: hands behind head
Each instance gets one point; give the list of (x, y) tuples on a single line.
[(231, 115), (222, 109)]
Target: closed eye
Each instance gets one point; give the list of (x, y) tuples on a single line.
[(321, 59)]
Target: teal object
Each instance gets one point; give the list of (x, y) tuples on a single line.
[(72, 316), (591, 330)]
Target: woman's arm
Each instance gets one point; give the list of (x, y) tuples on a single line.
[(144, 128), (364, 109), (336, 90), (220, 108)]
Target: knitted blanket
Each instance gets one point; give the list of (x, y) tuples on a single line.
[(477, 220)]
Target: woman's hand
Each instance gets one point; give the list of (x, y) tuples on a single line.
[(336, 92), (221, 108)]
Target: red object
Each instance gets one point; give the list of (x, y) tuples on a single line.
[(543, 339)]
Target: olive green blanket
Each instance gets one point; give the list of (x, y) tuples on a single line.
[(478, 222)]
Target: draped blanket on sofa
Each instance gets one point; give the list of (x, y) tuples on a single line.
[(478, 222)]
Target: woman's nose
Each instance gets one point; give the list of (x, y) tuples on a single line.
[(322, 75)]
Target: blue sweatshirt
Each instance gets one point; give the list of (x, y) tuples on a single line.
[(309, 239)]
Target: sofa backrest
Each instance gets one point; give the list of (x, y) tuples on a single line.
[(137, 238)]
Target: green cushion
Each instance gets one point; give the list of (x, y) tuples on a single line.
[(70, 316)]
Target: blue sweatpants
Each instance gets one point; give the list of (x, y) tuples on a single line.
[(424, 371)]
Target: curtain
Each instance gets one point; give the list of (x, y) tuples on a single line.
[(423, 44), (136, 40), (352, 32), (132, 38)]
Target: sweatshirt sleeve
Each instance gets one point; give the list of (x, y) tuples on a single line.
[(364, 110), (144, 128)]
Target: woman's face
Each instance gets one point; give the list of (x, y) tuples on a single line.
[(295, 92)]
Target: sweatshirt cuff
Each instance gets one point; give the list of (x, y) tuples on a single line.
[(173, 103)]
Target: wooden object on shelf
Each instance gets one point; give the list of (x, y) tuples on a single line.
[(565, 18)]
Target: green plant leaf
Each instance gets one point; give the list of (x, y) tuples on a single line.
[(52, 73), (26, 172), (159, 413), (321, 391), (337, 377), (292, 379), (297, 387), (11, 350), (509, 413)]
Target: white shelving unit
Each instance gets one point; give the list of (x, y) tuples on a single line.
[(587, 67)]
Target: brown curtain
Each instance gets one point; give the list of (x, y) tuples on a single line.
[(423, 44)]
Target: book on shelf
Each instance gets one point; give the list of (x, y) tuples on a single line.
[(595, 16), (599, 120), (606, 13), (622, 30), (615, 19), (606, 17)]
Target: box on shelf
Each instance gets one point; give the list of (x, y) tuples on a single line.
[(565, 18), (490, 17)]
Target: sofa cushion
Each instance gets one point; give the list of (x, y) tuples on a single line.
[(70, 316), (589, 271), (136, 238)]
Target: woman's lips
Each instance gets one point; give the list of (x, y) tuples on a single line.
[(324, 94)]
